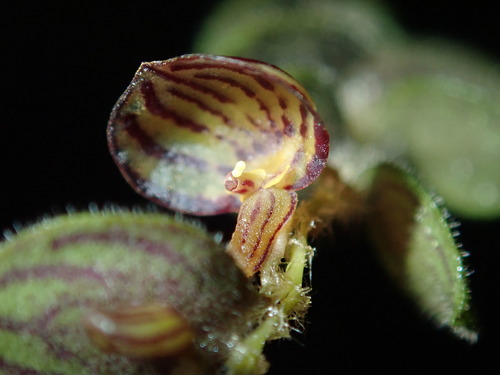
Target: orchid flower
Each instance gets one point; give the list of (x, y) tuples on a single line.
[(207, 134), (144, 293), (115, 291)]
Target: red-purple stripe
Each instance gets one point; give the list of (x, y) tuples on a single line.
[(288, 127), (65, 272), (264, 224), (154, 105), (193, 85), (200, 104), (145, 141), (247, 70), (151, 148), (230, 81), (303, 124), (278, 228), (282, 103), (318, 162), (265, 108), (124, 239), (253, 215)]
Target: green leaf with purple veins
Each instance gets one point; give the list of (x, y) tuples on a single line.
[(183, 124), (416, 246), (118, 268)]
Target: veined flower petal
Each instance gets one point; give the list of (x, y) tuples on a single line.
[(263, 218), (183, 124)]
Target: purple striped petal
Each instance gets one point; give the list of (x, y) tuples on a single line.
[(263, 217), (183, 124)]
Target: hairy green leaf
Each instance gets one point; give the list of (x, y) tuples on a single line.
[(118, 269), (416, 246)]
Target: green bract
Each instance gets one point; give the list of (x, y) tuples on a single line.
[(416, 246)]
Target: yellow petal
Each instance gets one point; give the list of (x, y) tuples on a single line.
[(263, 219)]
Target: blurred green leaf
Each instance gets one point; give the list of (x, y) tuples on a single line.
[(437, 106)]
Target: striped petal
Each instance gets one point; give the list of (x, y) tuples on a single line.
[(138, 285), (145, 331), (183, 124), (262, 221)]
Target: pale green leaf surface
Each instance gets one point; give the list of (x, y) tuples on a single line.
[(437, 106)]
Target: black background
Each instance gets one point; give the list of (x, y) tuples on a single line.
[(64, 64)]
